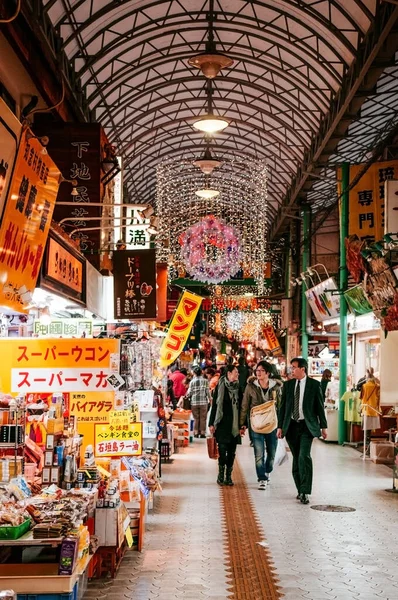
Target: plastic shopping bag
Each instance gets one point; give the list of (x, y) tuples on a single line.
[(281, 455)]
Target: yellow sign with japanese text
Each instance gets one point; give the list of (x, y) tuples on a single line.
[(118, 440), (366, 200), (179, 328), (26, 222)]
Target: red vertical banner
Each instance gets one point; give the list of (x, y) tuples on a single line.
[(161, 296)]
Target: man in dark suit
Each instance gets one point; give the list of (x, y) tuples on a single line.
[(301, 418)]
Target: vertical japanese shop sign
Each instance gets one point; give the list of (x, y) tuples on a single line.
[(76, 148), (367, 202), (179, 328), (134, 274), (26, 222), (137, 235), (271, 339), (10, 131)]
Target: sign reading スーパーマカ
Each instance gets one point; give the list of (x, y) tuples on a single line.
[(134, 275)]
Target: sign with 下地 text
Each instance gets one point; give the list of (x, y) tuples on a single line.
[(77, 150), (64, 328), (367, 200), (10, 131), (118, 440), (63, 267), (323, 302), (134, 273), (47, 365), (26, 222), (179, 328)]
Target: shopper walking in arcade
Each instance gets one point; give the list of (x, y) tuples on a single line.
[(178, 378), (259, 390), (224, 422), (199, 395), (301, 419)]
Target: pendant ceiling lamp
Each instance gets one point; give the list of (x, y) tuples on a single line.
[(207, 193), (207, 164), (210, 123), (210, 62)]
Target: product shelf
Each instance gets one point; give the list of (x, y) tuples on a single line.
[(27, 540)]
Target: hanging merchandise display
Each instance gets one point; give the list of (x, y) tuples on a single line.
[(179, 328), (210, 250), (234, 181)]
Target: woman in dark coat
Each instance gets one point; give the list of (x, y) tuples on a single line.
[(224, 422)]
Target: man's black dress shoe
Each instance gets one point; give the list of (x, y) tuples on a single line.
[(304, 499), (298, 497)]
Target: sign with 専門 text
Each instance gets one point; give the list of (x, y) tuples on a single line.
[(179, 328), (134, 277), (26, 222), (117, 440), (366, 200)]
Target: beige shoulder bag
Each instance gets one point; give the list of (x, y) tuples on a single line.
[(263, 417)]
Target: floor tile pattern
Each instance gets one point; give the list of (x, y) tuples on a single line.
[(250, 564), (317, 555)]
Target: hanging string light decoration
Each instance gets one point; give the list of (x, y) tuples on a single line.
[(210, 250), (241, 204)]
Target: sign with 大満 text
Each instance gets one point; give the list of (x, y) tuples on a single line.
[(179, 328), (26, 222), (10, 131), (134, 275), (137, 235)]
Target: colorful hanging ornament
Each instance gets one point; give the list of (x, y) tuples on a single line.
[(210, 250)]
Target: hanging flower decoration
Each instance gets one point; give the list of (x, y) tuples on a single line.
[(210, 250)]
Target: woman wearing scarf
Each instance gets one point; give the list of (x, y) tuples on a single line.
[(224, 422)]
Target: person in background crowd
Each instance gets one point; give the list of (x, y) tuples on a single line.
[(244, 373), (214, 382), (301, 418), (199, 395), (260, 389), (224, 422), (170, 394), (326, 378), (177, 377)]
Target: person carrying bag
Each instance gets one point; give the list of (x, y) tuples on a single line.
[(260, 400)]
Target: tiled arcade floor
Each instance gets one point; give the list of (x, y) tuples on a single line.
[(318, 555)]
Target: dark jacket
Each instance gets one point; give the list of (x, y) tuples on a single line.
[(244, 373), (313, 409), (253, 396), (223, 433)]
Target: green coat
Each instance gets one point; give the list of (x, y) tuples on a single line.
[(313, 409)]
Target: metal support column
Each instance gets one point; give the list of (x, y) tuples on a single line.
[(304, 266), (343, 217)]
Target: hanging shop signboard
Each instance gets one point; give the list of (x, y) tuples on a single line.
[(64, 268), (77, 150), (26, 222), (112, 440), (10, 131), (134, 273), (137, 235), (271, 339), (179, 328), (391, 195), (64, 328), (324, 303), (367, 200), (357, 301), (161, 292)]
